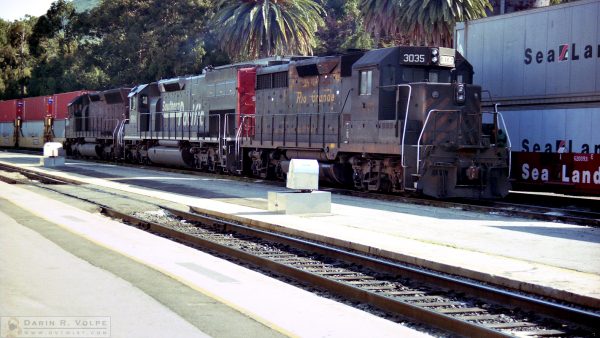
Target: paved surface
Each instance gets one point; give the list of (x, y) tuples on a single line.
[(551, 259), (39, 278), (153, 277)]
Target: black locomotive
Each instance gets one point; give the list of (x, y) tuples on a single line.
[(393, 119)]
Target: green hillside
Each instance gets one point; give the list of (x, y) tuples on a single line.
[(84, 5)]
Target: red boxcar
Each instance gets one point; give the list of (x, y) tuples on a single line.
[(35, 108), (8, 110), (58, 103)]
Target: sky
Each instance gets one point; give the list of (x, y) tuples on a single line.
[(15, 9)]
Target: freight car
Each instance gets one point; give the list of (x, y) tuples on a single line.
[(394, 119), (30, 122), (543, 69)]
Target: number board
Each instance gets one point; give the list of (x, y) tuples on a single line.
[(415, 56), (446, 60)]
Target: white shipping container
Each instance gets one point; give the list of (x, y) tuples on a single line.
[(550, 52)]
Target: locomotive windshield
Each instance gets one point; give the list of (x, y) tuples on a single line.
[(422, 74)]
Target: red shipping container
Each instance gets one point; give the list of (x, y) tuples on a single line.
[(35, 108), (60, 102), (8, 110)]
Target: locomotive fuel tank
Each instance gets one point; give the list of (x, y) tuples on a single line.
[(174, 156), (89, 150)]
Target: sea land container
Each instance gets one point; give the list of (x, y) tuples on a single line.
[(542, 68)]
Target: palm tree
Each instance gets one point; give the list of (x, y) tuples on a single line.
[(432, 21), (425, 22), (260, 28), (381, 16)]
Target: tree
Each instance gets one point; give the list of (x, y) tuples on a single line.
[(423, 22), (344, 28), (56, 23), (260, 28), (138, 41), (433, 21), (15, 59), (54, 44), (381, 16)]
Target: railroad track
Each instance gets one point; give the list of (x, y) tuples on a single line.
[(33, 175), (452, 304)]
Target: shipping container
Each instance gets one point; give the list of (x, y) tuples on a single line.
[(7, 136), (8, 110), (542, 66), (32, 134), (538, 55), (36, 108)]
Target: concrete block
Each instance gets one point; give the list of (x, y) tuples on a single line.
[(294, 203), (50, 162)]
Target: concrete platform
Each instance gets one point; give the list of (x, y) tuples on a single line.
[(41, 279), (138, 279), (550, 259)]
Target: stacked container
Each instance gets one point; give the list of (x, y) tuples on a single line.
[(35, 109), (9, 110), (45, 119)]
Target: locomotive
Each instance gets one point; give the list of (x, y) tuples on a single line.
[(399, 119)]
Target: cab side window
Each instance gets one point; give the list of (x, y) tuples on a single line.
[(366, 82)]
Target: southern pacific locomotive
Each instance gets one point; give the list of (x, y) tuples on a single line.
[(394, 119)]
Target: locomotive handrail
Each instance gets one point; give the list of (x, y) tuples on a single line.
[(405, 118), (320, 118), (96, 128), (508, 141), (239, 135), (179, 125), (423, 131)]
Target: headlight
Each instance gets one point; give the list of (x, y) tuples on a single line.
[(460, 94)]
